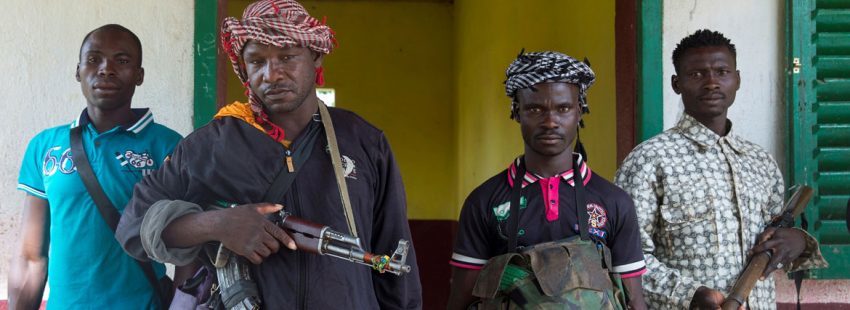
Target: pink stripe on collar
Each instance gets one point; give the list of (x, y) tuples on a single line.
[(531, 178)]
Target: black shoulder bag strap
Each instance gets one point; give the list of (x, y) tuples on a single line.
[(513, 215), (283, 181), (581, 204), (107, 211)]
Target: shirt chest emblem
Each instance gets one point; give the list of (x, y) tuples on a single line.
[(57, 160), (502, 211), (598, 215), (135, 160), (598, 219), (349, 168)]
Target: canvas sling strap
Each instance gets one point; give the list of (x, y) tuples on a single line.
[(107, 211), (336, 160)]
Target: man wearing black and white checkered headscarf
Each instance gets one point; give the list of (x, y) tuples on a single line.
[(548, 194), (533, 68)]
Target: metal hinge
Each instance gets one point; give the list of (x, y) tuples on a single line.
[(797, 65)]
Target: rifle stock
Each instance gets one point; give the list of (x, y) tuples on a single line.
[(758, 263)]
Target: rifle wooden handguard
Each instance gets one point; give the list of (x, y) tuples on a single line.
[(320, 239), (758, 263)]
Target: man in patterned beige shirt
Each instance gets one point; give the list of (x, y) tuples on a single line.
[(703, 195)]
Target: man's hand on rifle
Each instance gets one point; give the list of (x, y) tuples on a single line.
[(784, 245), (706, 298), (248, 233)]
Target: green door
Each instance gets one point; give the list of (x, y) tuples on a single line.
[(818, 103)]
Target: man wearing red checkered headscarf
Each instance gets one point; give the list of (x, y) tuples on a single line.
[(284, 24), (277, 50)]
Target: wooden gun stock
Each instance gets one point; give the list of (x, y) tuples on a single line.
[(758, 263)]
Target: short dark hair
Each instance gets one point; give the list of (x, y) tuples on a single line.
[(118, 28), (701, 38)]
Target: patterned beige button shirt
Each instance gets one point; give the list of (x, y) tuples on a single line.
[(701, 201)]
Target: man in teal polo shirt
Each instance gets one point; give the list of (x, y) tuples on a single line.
[(86, 267)]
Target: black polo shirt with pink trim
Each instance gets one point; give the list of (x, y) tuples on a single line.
[(547, 212)]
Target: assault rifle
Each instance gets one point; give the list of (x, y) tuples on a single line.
[(758, 263), (238, 290), (319, 239)]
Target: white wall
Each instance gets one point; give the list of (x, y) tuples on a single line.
[(757, 30), (40, 43)]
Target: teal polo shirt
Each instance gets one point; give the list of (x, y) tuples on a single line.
[(87, 268)]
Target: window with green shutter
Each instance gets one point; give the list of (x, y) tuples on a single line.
[(818, 94)]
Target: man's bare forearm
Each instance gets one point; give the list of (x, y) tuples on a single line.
[(26, 282), (28, 272), (635, 293), (192, 230)]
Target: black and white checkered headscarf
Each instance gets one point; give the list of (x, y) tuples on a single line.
[(537, 67)]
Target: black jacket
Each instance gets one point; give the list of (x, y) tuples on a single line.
[(229, 161)]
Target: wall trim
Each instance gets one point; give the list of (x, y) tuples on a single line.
[(650, 86), (208, 93), (625, 36)]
